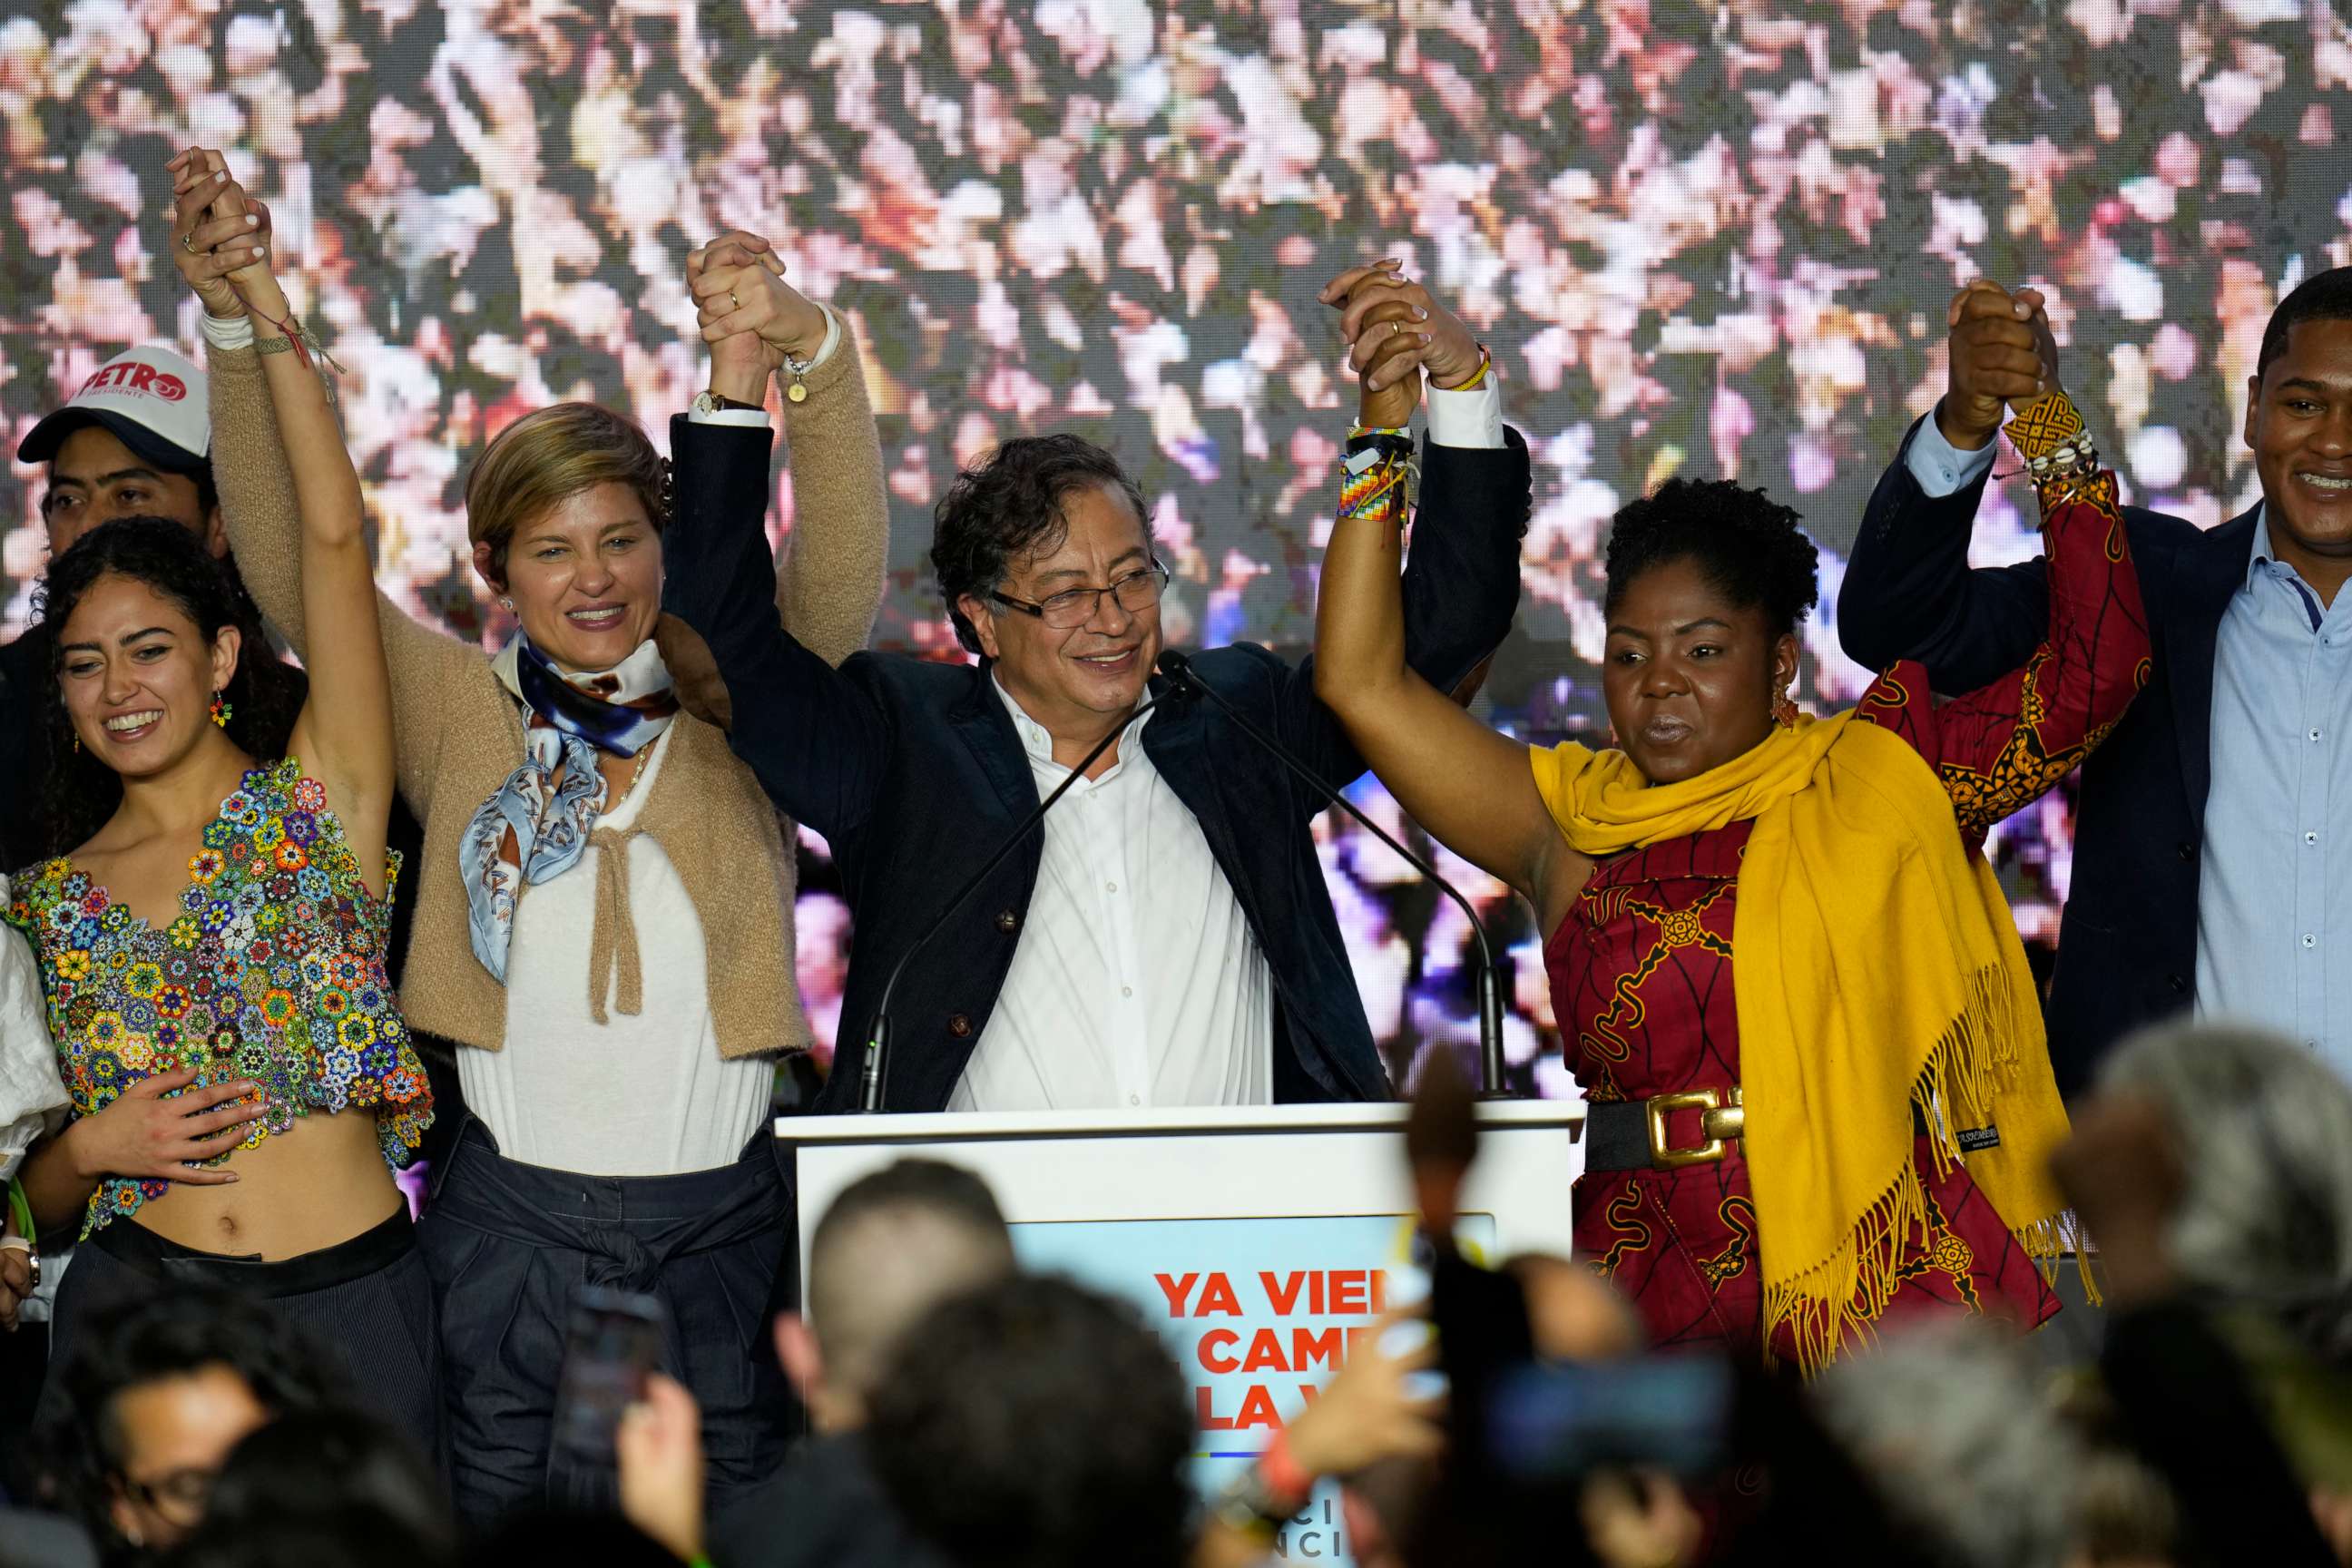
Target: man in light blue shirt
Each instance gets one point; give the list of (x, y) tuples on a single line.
[(2213, 854)]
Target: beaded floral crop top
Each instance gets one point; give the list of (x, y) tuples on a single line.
[(273, 972)]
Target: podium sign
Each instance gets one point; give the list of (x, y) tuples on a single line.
[(1262, 1241)]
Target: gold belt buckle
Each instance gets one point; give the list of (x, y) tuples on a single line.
[(1720, 1124)]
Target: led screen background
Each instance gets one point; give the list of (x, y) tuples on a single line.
[(1708, 239)]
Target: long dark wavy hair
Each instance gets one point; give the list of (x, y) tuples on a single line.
[(265, 694)]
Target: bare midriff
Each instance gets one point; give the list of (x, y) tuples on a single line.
[(320, 1182)]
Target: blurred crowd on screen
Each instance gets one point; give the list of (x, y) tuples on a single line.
[(1701, 237)]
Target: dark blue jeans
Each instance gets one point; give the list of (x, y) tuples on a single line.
[(510, 1246)]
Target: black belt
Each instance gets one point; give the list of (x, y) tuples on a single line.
[(1633, 1134)]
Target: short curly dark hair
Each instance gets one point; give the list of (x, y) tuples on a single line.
[(1036, 1423), (1750, 546), (264, 695), (1010, 507), (2322, 296)]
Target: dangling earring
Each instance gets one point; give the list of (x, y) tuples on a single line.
[(506, 602), (223, 710), (1784, 710)]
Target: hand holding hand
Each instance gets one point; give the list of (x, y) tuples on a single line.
[(144, 1135), (1394, 330), (16, 1279), (2002, 352), (748, 315), (1372, 1410), (660, 1449), (220, 236)]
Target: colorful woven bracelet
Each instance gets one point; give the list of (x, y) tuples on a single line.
[(20, 1210)]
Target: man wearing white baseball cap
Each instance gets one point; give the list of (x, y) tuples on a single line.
[(135, 441)]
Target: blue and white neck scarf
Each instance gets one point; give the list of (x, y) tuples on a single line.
[(535, 828)]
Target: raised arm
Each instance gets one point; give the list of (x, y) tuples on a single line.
[(1461, 579), (829, 580), (1469, 786), (1909, 592), (2003, 746), (813, 736), (264, 514), (343, 734)]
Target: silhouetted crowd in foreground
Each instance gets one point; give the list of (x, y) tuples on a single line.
[(966, 1413)]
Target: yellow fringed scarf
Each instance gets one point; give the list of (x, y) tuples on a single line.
[(1876, 969)]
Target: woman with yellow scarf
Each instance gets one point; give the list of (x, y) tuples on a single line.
[(1784, 971)]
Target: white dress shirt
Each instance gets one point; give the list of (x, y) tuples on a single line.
[(1137, 980)]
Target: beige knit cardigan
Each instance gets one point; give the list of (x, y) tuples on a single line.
[(459, 732)]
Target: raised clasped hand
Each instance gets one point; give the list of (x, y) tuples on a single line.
[(1396, 332), (221, 236), (2004, 353), (749, 316)]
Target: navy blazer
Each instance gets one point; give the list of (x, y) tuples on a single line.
[(913, 772), (2128, 944)]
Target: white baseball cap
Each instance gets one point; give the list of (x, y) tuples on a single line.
[(152, 399)]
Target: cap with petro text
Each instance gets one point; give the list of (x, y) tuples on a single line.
[(151, 398)]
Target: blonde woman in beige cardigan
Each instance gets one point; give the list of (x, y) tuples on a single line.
[(604, 916)]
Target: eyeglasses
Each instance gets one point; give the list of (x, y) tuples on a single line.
[(1066, 611), (179, 1496)]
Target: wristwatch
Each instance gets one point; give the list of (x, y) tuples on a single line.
[(711, 403)]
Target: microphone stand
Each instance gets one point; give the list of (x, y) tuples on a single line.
[(1178, 668), (878, 1039)]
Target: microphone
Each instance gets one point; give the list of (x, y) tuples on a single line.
[(1179, 670), (878, 1039)]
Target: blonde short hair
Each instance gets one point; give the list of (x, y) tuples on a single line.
[(545, 458)]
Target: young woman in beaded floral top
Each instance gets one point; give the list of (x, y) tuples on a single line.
[(603, 899), (213, 948), (1819, 1094)]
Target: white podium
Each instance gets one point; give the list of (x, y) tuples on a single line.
[(1262, 1241)]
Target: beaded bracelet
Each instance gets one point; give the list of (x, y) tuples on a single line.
[(1380, 471), (2049, 434)]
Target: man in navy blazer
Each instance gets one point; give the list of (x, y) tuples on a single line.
[(1166, 938), (2212, 855)]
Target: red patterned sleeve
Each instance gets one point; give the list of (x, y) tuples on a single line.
[(2002, 746)]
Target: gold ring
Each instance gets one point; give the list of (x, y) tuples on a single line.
[(188, 242), (733, 303)]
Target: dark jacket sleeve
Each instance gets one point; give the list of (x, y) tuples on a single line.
[(23, 676), (1910, 593), (812, 735), (1460, 588), (2192, 1414)]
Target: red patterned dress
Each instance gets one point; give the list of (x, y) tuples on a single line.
[(1642, 981)]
